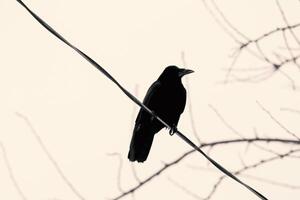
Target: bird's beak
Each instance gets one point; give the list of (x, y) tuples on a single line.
[(185, 72)]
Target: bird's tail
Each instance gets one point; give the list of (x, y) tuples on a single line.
[(140, 144)]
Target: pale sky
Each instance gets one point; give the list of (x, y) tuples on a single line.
[(82, 117)]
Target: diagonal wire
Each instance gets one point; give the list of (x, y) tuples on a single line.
[(133, 98)]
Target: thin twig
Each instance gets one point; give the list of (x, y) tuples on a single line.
[(223, 27), (286, 42), (225, 122), (50, 157), (134, 173), (290, 110), (288, 78), (256, 78), (276, 121), (267, 34), (286, 22), (230, 127), (184, 189), (233, 62), (11, 174), (221, 13), (255, 69), (119, 169)]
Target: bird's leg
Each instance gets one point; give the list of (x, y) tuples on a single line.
[(173, 129)]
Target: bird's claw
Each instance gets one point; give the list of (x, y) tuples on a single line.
[(173, 130)]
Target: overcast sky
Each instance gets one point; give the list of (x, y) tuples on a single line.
[(82, 117)]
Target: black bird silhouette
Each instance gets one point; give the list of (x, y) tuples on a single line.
[(166, 98)]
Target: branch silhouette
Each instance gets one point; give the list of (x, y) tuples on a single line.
[(277, 122), (254, 165), (240, 171), (269, 33), (264, 180), (134, 99), (207, 145), (119, 169), (254, 48)]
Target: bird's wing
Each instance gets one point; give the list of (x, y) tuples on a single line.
[(145, 126), (151, 100), (182, 101)]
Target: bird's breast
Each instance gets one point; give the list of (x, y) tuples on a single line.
[(172, 101)]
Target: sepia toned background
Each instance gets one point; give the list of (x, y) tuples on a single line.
[(85, 122)]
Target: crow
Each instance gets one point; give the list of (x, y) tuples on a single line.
[(166, 97)]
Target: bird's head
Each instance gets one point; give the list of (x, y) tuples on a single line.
[(174, 73)]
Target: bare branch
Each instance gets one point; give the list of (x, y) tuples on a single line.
[(286, 42), (276, 121), (230, 127), (248, 167), (267, 34), (225, 122), (119, 169), (184, 189), (212, 144), (286, 22), (156, 174)]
